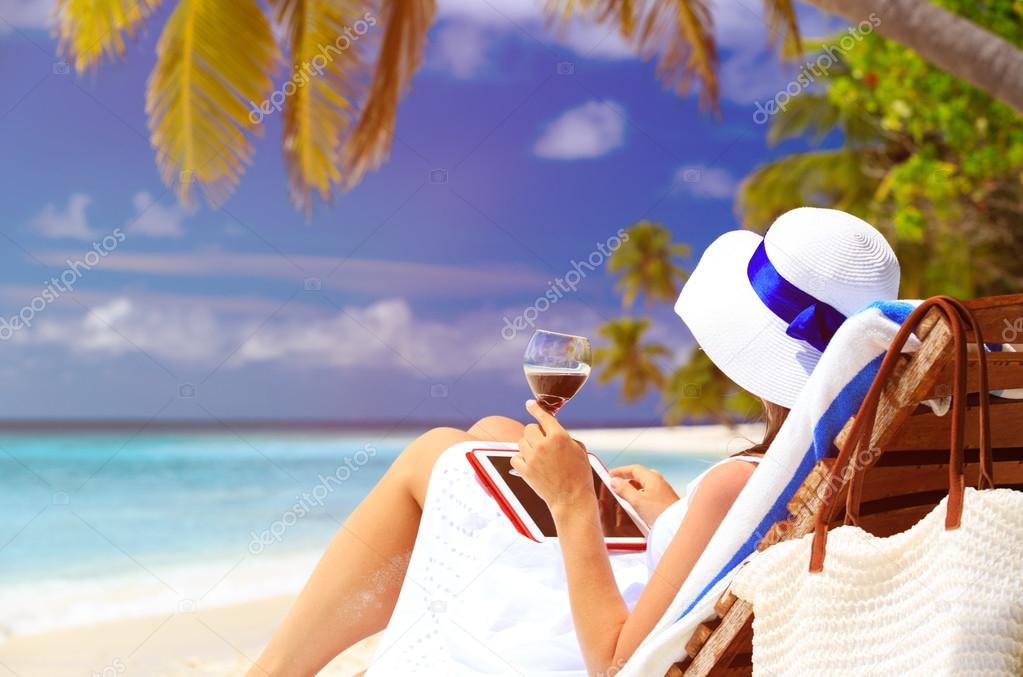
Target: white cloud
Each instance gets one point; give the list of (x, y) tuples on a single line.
[(181, 333), (189, 332), (493, 12), (588, 131), (383, 335), (469, 27), (25, 14), (751, 70), (69, 223), (594, 41), (715, 183), (153, 219), (460, 49)]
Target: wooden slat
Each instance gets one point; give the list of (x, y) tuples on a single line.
[(1005, 370), (924, 430), (914, 376), (700, 636), (742, 662), (996, 314), (894, 520), (738, 658), (729, 640), (724, 603), (886, 482)]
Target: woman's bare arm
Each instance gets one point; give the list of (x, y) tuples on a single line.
[(608, 634), (557, 468), (711, 502)]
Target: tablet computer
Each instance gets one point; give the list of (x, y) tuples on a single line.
[(623, 528)]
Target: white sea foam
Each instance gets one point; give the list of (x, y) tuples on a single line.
[(29, 608)]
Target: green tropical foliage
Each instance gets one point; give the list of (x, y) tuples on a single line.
[(699, 390), (646, 264), (933, 162), (630, 359)]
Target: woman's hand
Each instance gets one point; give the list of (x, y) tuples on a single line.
[(551, 462), (645, 489)]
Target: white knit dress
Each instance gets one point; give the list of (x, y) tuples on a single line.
[(480, 599)]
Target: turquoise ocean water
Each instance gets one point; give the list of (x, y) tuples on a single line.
[(104, 526)]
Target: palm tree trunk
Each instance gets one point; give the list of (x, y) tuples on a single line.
[(947, 40)]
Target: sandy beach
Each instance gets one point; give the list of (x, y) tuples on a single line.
[(220, 641), (222, 636)]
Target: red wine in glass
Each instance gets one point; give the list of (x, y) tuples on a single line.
[(553, 388), (556, 365)]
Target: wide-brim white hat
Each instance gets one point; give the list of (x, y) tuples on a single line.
[(741, 313)]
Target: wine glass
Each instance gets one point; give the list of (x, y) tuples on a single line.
[(556, 366)]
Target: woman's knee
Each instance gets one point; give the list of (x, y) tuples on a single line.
[(425, 449), (415, 464), (496, 429)]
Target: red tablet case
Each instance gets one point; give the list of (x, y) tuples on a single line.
[(510, 513)]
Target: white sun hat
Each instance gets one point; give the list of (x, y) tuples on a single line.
[(764, 308)]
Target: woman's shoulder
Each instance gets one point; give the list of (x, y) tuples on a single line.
[(730, 475), (724, 476)]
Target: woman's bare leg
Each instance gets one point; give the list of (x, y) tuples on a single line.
[(352, 592)]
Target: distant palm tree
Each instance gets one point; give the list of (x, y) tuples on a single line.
[(699, 390), (645, 264), (628, 358)]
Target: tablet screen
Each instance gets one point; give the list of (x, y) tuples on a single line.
[(616, 522)]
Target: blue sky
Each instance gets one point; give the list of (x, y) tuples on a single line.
[(518, 150)]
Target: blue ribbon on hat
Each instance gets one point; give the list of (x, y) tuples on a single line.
[(809, 318)]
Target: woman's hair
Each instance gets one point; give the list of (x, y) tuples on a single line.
[(774, 416)]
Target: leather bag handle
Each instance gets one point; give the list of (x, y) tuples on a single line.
[(985, 479), (861, 433)]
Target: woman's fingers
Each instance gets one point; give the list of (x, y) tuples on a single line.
[(546, 420), (626, 472), (532, 434), (625, 489), (638, 474)]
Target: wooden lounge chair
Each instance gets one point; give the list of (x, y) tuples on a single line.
[(911, 476)]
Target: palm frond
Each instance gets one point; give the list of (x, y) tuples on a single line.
[(327, 71), (782, 23), (89, 30), (629, 358), (214, 60), (626, 13), (646, 264), (809, 114), (679, 33), (826, 178), (406, 23)]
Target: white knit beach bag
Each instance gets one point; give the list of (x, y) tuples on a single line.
[(942, 598), (928, 601)]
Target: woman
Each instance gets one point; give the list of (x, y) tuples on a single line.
[(762, 308)]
